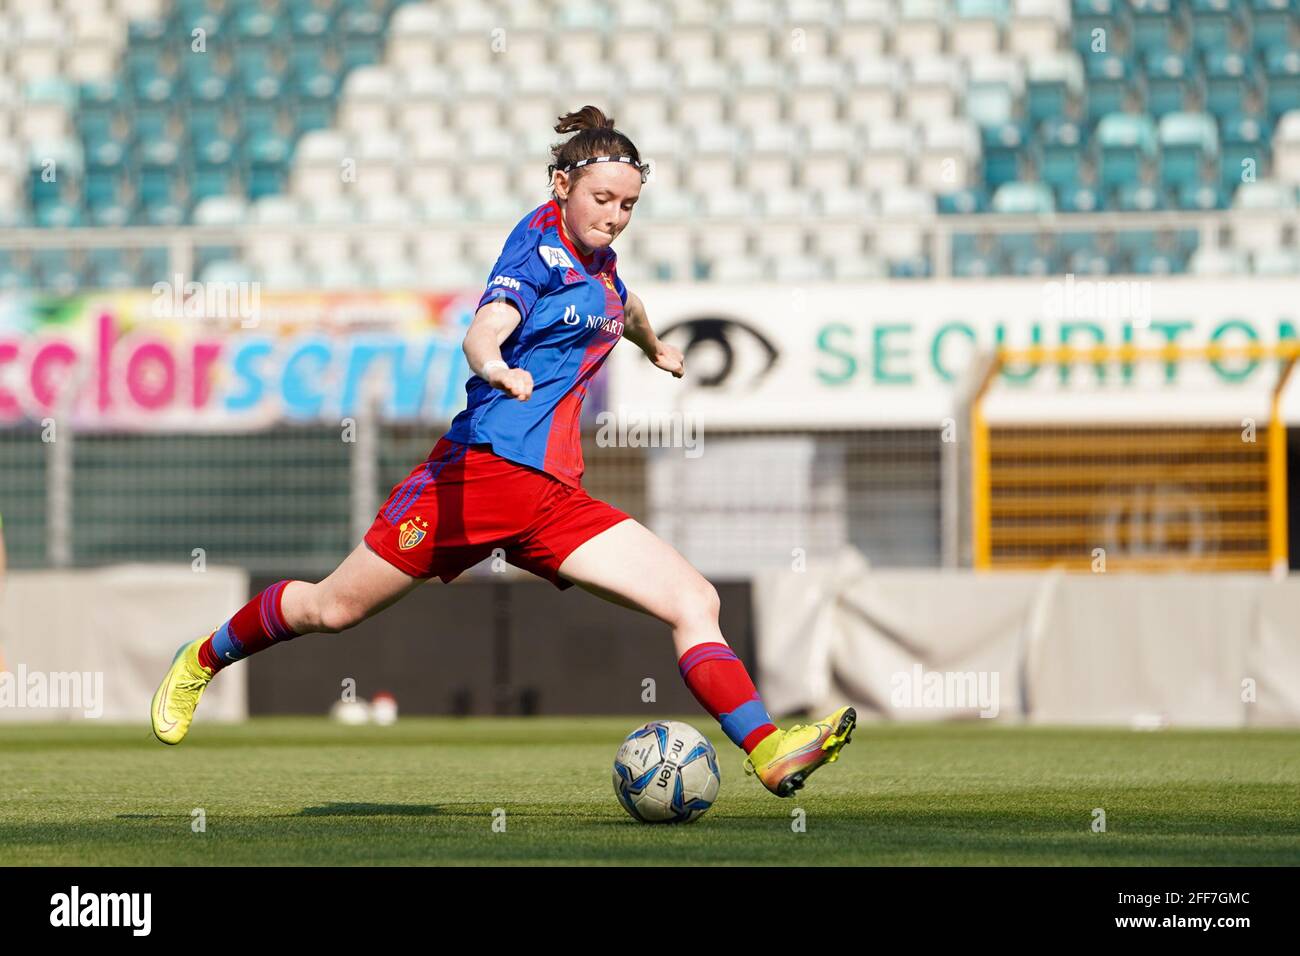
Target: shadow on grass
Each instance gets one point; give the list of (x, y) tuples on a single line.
[(369, 810)]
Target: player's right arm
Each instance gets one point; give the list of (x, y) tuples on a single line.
[(492, 325)]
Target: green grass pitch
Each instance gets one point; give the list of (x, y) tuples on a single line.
[(305, 791)]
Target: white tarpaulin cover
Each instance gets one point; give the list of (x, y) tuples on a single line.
[(1051, 648), (116, 629)]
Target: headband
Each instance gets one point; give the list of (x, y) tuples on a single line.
[(643, 168)]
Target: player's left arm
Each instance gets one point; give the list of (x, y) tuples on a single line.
[(637, 330)]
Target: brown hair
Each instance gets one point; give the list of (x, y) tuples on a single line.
[(595, 136)]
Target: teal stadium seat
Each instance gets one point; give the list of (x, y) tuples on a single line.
[(1062, 148), (1201, 196), (55, 269), (107, 269), (1282, 67), (1126, 144), (311, 18), (1002, 147), (1112, 84), (361, 36), (1079, 199), (104, 198), (1274, 24), (1246, 149), (963, 202), (1156, 25), (1189, 143), (1215, 24), (1140, 197), (1024, 199), (1052, 82), (152, 265), (1074, 247), (1229, 77), (973, 257), (1088, 16), (159, 185), (14, 273), (268, 164), (1171, 79)]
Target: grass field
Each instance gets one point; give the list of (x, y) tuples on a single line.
[(305, 791)]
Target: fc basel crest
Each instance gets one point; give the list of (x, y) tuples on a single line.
[(411, 532), (609, 282)]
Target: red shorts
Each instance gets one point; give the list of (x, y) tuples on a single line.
[(464, 501)]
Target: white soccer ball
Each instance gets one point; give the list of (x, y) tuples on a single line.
[(666, 772), (353, 713)]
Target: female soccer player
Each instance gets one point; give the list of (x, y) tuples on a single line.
[(508, 474)]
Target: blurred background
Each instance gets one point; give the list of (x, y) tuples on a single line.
[(989, 308)]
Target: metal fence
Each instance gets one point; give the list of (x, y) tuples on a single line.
[(300, 497)]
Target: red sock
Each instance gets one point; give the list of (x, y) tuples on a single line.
[(255, 627), (721, 684)]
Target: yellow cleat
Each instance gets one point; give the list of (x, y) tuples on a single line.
[(177, 696), (786, 758)]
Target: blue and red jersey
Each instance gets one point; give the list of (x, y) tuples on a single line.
[(572, 316)]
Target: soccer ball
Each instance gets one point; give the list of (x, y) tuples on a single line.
[(666, 772)]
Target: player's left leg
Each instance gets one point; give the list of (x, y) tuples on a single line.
[(630, 565)]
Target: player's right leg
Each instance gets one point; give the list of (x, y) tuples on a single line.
[(362, 585)]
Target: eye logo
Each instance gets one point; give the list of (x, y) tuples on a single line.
[(571, 316), (728, 351)]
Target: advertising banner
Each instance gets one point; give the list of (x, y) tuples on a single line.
[(160, 361), (892, 353)]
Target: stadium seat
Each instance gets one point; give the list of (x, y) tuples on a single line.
[(1035, 26), (1112, 85), (107, 269), (873, 96), (1023, 199), (1188, 141), (1061, 152), (1002, 148), (220, 211), (1276, 262), (1286, 148), (1139, 197), (1263, 234), (1214, 23), (1126, 143), (1282, 67), (1054, 81), (977, 27), (1156, 24), (887, 159), (1245, 149), (949, 155), (919, 30), (963, 202), (974, 256), (1171, 82), (1273, 25), (1218, 262), (995, 87), (1096, 25)]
